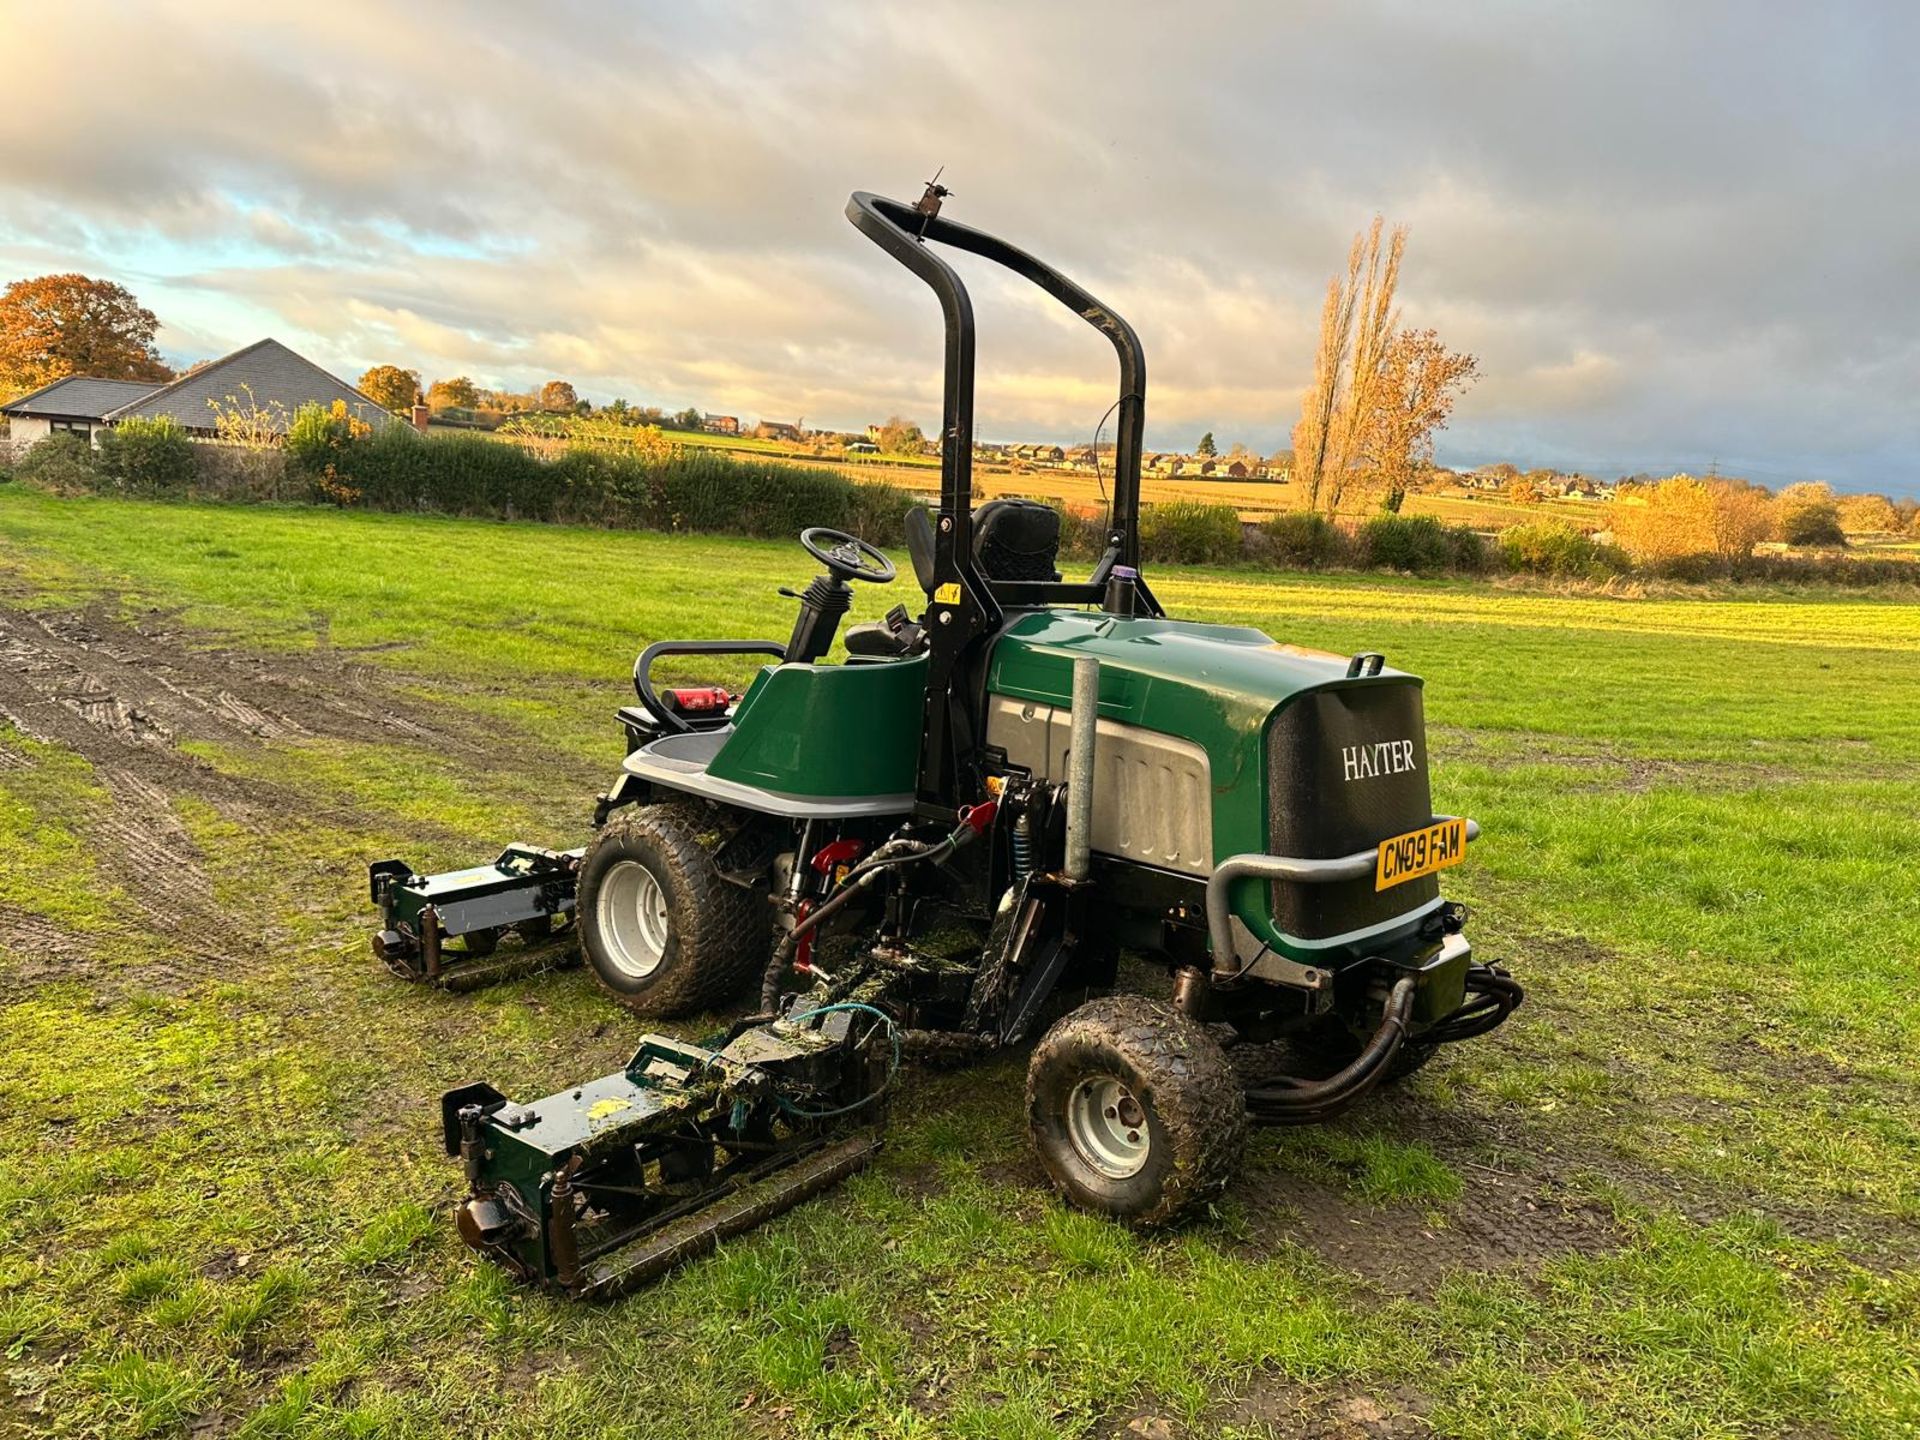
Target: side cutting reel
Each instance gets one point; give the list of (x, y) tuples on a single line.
[(528, 894)]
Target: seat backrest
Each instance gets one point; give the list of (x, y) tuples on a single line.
[(1016, 540), (920, 546)]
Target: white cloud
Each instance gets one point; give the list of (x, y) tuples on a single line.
[(1668, 233)]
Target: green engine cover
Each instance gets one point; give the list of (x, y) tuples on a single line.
[(1221, 687)]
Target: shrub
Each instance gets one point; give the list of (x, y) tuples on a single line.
[(1083, 533), (1553, 547), (1186, 532), (1471, 553), (1303, 540), (1806, 514), (61, 463), (318, 442), (1420, 545), (1680, 517), (146, 457), (1695, 567)]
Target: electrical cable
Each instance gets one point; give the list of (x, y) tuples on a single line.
[(893, 1069)]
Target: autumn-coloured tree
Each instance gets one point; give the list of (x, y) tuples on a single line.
[(1419, 381), (1523, 490), (459, 392), (1357, 323), (1742, 517), (1683, 515), (558, 395), (900, 436), (1869, 515), (391, 388), (60, 325)]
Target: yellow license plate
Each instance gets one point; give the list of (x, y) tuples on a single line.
[(1420, 852)]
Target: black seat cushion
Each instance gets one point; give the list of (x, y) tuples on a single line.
[(1016, 540), (895, 635)]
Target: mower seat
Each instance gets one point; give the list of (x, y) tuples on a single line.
[(890, 638), (1016, 540)]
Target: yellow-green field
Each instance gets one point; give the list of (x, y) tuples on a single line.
[(1679, 1196)]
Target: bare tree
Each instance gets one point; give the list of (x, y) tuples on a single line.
[(1357, 323)]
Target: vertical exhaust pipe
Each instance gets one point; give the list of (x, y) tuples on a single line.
[(1080, 745)]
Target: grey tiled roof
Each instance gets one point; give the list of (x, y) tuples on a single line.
[(80, 397), (266, 375)]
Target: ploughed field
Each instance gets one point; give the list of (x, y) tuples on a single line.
[(1679, 1195)]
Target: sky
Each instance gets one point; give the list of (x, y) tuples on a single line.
[(1677, 237)]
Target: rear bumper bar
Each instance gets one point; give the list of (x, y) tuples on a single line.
[(1286, 867)]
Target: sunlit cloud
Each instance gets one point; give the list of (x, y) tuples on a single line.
[(1671, 235)]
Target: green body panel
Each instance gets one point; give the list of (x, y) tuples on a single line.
[(828, 730), (1216, 685)]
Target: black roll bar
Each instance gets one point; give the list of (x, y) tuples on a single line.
[(965, 608), (902, 231)]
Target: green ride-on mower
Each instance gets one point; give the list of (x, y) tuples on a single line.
[(925, 850)]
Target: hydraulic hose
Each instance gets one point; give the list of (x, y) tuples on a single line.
[(1493, 995), (973, 821), (1288, 1101)]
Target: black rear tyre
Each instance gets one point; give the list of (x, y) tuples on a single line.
[(665, 934), (1135, 1111)]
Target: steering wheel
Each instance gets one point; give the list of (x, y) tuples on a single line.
[(845, 556)]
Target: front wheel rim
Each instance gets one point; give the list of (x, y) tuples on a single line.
[(632, 915), (1108, 1127)]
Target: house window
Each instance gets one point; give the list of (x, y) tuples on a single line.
[(82, 428)]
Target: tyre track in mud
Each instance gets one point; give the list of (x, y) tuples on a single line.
[(125, 697)]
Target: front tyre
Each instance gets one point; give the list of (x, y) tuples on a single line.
[(666, 935), (1134, 1110)]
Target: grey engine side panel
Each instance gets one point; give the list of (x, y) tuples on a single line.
[(1153, 793)]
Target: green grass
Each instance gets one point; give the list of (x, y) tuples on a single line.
[(222, 1202)]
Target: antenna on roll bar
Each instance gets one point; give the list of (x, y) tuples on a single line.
[(928, 205)]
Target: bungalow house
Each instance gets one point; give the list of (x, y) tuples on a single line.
[(77, 405), (265, 381), (776, 430)]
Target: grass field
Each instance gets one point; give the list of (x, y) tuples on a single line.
[(1678, 1196)]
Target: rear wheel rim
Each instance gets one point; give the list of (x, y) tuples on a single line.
[(632, 915), (1108, 1127)]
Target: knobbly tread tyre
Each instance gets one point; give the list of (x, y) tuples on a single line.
[(719, 932), (1196, 1108)]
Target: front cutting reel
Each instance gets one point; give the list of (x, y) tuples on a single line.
[(607, 1186)]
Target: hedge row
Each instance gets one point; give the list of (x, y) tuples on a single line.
[(701, 490), (471, 475)]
